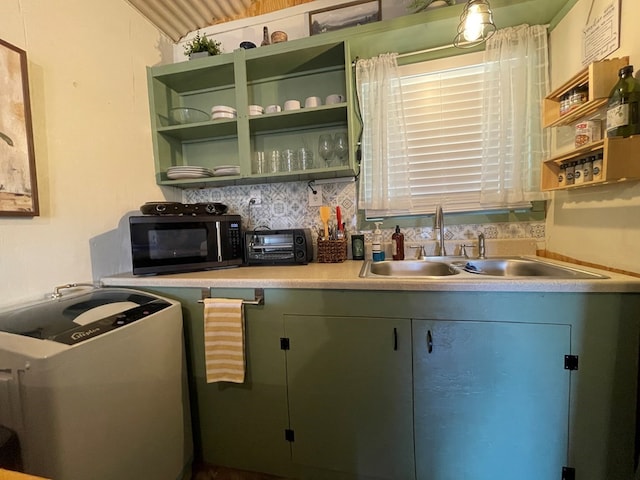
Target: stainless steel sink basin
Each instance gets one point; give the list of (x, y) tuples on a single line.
[(522, 267), (408, 268), (458, 267)]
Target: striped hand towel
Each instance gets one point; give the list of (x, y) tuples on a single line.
[(224, 340)]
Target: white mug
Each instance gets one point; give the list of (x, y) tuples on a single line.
[(292, 105), (312, 102), (273, 109), (334, 98)]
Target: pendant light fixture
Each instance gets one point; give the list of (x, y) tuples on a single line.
[(476, 24)]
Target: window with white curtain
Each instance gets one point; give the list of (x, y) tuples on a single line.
[(443, 114)]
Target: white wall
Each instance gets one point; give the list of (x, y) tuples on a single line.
[(598, 224), (93, 147)]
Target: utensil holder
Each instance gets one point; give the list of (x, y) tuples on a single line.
[(332, 251)]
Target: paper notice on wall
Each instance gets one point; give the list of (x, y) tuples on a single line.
[(601, 37)]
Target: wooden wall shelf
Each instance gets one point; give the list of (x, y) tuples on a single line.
[(599, 76)]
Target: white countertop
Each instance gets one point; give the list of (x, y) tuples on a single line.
[(344, 276)]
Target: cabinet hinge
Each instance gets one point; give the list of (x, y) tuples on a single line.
[(288, 435), (571, 362), (568, 473), (284, 343)]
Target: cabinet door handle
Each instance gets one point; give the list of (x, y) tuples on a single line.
[(395, 338), (429, 342)]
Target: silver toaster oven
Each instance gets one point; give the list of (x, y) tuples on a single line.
[(278, 247)]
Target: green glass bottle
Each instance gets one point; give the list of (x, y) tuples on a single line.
[(623, 110)]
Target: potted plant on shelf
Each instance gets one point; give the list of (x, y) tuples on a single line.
[(201, 46), (419, 5)]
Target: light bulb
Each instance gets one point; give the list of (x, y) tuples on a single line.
[(476, 24), (473, 24)]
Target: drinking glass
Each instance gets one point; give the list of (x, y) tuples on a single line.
[(341, 147), (325, 147), (305, 158), (274, 161), (259, 163), (289, 160)]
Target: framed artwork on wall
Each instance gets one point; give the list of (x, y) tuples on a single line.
[(18, 187), (345, 15)]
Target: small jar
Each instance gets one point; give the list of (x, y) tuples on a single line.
[(597, 167), (565, 102), (587, 169), (562, 176), (579, 96), (582, 94), (569, 172), (578, 179)]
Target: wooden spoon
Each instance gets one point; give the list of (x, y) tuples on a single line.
[(325, 214)]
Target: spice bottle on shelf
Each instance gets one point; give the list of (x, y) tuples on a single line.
[(570, 170), (597, 167), (397, 244), (562, 176), (577, 173), (565, 101), (623, 115), (376, 244), (587, 169)]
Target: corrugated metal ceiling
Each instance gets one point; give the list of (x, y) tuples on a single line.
[(176, 18)]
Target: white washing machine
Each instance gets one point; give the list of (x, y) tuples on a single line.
[(94, 384)]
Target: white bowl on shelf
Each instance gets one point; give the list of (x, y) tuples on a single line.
[(292, 105), (256, 110), (223, 112), (224, 109), (273, 109), (222, 115)]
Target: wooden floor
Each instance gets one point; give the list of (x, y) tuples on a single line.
[(212, 472)]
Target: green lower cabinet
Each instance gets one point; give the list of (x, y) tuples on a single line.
[(349, 386), (491, 400), (239, 426), (423, 385), (242, 425)]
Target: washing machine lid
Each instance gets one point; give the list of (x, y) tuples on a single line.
[(77, 318)]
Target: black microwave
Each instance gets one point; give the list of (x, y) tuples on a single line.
[(184, 243)]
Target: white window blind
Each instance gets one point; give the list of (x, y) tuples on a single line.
[(443, 113)]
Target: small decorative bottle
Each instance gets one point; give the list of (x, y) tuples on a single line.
[(265, 37), (357, 246), (397, 244), (376, 244), (623, 110)]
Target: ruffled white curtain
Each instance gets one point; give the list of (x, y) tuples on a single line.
[(384, 169), (514, 141)]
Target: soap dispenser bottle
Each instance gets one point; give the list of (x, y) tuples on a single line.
[(397, 244), (376, 244)]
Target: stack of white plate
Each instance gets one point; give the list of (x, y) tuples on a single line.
[(175, 173), (222, 111), (224, 170), (255, 110)]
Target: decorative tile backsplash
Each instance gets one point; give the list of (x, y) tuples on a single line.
[(286, 205), (282, 205)]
